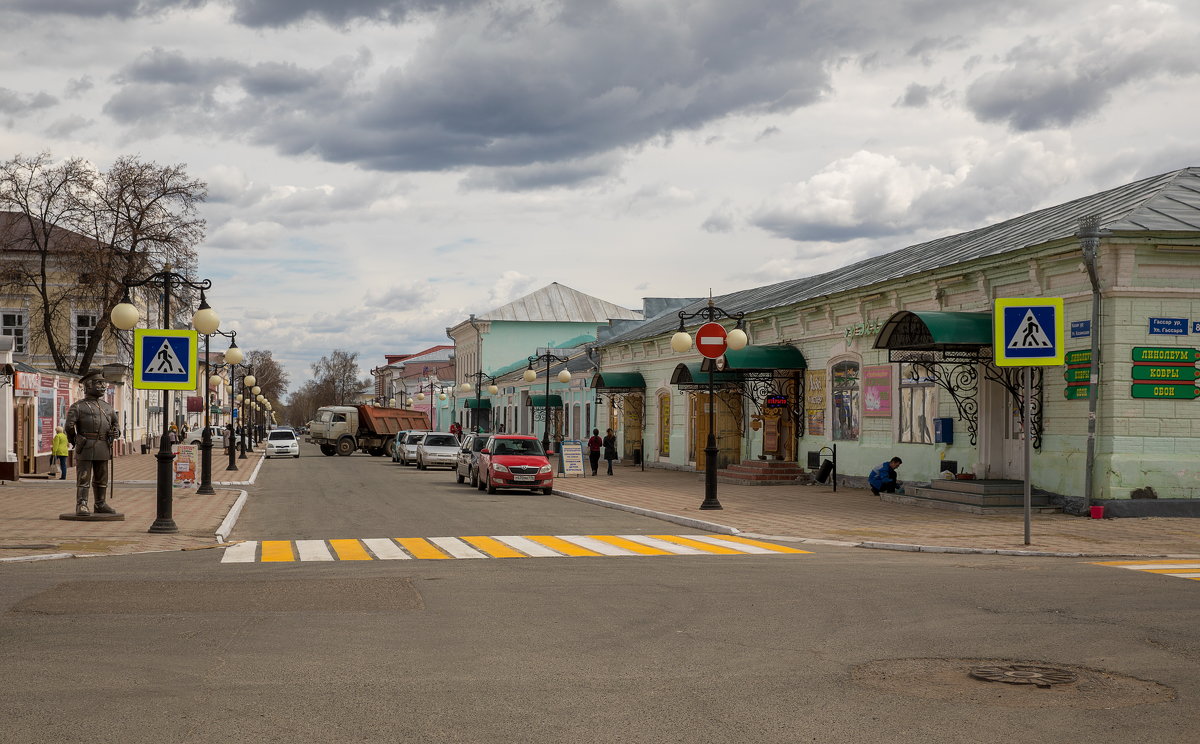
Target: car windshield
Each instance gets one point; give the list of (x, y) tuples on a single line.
[(440, 440), (478, 443), (281, 435), (415, 438), (518, 447)]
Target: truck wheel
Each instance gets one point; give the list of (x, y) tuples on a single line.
[(345, 447), (328, 450)]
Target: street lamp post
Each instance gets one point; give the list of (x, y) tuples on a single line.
[(125, 316), (682, 342), (244, 409), (563, 376), (434, 385), (210, 381), (467, 387), (233, 360)]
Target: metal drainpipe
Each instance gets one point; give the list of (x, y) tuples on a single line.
[(1089, 240)]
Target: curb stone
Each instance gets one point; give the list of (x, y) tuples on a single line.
[(698, 524)]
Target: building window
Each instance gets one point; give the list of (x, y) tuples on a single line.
[(85, 325), (846, 403), (917, 404), (13, 324)]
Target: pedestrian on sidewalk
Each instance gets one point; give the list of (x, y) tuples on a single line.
[(610, 448), (594, 445), (883, 478), (59, 448)]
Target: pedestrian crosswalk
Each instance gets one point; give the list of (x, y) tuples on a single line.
[(497, 546), (1179, 569)]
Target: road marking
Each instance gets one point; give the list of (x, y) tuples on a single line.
[(497, 546), (1177, 569)]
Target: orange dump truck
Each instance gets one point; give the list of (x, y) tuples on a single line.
[(340, 430)]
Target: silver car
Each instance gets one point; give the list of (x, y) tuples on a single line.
[(437, 449), (408, 450)]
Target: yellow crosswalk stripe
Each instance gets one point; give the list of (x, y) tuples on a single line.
[(350, 550), (562, 546), (277, 550), (761, 544), (493, 547), (1179, 569), (421, 548), (630, 545), (706, 547)]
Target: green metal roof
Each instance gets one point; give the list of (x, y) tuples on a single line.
[(619, 381), (933, 330), (761, 358), (693, 375), (481, 403), (540, 401)]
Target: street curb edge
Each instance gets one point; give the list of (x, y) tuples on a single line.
[(698, 524), (231, 518)]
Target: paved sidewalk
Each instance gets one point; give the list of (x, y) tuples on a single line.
[(858, 517), (29, 512)]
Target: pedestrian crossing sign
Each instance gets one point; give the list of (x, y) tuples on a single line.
[(164, 359), (1028, 332)]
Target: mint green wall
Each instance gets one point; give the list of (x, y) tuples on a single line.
[(509, 344)]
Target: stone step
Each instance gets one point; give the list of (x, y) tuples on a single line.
[(932, 503), (744, 468), (742, 475), (934, 491), (980, 485), (736, 481)]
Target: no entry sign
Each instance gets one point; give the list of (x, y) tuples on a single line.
[(710, 340)]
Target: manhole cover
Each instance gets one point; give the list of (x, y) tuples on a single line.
[(1025, 674), (1033, 684)]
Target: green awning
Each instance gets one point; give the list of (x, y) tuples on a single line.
[(541, 401), (761, 359), (618, 381), (935, 331), (481, 403), (690, 375)]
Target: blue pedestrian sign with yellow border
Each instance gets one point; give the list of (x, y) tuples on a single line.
[(1028, 332), (164, 359)]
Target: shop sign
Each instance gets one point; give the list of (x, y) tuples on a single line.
[(1077, 392), (1169, 326), (775, 401), (1164, 390), (1167, 354), (1181, 373), (1078, 374), (866, 328), (1083, 356)]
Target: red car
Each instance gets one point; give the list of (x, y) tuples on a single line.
[(514, 461)]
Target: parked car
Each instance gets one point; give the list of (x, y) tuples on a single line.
[(514, 461), (397, 443), (437, 449), (196, 436), (465, 467), (408, 450), (282, 442)]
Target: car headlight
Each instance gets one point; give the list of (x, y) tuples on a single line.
[(499, 468), (544, 469)]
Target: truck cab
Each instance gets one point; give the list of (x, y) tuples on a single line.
[(334, 429)]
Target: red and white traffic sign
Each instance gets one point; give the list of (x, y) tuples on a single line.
[(710, 340)]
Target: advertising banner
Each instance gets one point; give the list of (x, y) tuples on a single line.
[(877, 391), (572, 456), (814, 402), (185, 464)]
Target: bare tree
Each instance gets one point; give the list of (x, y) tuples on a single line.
[(337, 376), (268, 375), (85, 232)]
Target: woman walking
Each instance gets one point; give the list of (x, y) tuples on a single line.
[(610, 448), (59, 449), (594, 445)]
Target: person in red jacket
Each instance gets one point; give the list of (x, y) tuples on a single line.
[(594, 446)]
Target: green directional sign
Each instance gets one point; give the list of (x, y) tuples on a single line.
[(1078, 374), (1164, 391), (1076, 392), (1165, 354), (1079, 357), (1166, 374)]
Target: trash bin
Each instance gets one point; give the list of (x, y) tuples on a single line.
[(826, 469)]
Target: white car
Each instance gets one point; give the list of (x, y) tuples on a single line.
[(438, 449), (282, 442), (408, 450), (196, 436)]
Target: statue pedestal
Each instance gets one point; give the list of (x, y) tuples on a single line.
[(73, 517)]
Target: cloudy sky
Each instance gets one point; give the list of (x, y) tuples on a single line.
[(378, 169)]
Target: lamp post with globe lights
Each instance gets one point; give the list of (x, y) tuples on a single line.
[(125, 316), (435, 387), (530, 376), (233, 360), (714, 350), (477, 386), (211, 380)]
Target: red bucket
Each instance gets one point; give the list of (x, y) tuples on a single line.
[(1097, 512)]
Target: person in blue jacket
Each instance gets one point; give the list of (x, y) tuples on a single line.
[(883, 478)]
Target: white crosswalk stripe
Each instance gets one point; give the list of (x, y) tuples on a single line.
[(313, 550), (456, 547), (386, 550)]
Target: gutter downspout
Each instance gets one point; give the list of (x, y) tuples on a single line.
[(1089, 241)]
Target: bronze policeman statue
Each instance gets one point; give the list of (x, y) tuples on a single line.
[(91, 427)]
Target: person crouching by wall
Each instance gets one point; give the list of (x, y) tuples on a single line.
[(883, 478)]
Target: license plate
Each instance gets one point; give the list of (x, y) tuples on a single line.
[(523, 477)]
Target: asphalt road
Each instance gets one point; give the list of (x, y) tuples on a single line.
[(841, 645)]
